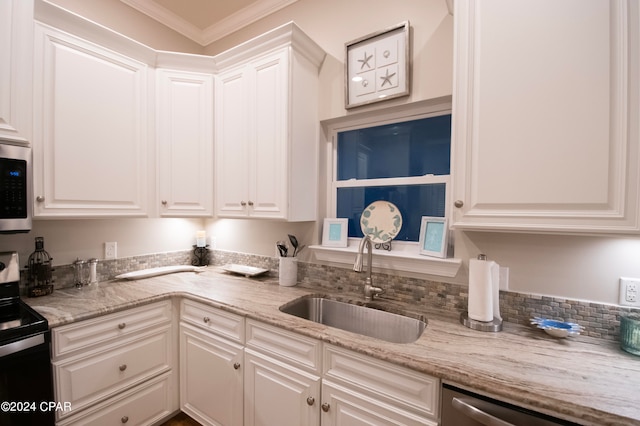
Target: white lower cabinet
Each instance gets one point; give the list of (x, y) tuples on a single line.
[(282, 377), (211, 364), (210, 378), (143, 405), (359, 390), (119, 366), (278, 394)]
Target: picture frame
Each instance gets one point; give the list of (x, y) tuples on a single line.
[(334, 232), (434, 236), (377, 66)]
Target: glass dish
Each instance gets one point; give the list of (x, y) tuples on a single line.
[(557, 328)]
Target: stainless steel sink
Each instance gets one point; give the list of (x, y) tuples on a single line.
[(363, 320)]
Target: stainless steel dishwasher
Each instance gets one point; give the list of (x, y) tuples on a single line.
[(463, 408)]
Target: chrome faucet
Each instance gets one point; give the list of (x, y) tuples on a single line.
[(369, 290)]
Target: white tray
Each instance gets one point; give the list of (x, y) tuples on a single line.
[(247, 271), (162, 270)]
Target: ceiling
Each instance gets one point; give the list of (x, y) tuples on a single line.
[(205, 21)]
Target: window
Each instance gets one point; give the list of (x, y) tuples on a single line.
[(405, 161)]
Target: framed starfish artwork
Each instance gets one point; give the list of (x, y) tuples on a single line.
[(377, 66)]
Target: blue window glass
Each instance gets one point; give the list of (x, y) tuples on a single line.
[(413, 201), (411, 148)]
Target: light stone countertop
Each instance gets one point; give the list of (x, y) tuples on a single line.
[(590, 381)]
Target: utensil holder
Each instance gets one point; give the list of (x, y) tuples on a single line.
[(288, 271)]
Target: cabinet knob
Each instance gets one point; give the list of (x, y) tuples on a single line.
[(251, 203), (206, 320), (123, 367), (236, 365), (39, 198), (325, 407), (164, 202), (311, 400), (122, 325), (243, 203), (124, 419), (458, 203)]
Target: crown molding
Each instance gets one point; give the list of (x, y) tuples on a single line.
[(215, 31)]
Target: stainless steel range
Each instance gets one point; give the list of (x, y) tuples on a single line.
[(26, 385)]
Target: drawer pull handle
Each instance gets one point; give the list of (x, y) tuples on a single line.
[(311, 400), (123, 367), (122, 325), (206, 320), (236, 365), (325, 407), (124, 419), (458, 203)]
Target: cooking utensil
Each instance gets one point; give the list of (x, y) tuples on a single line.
[(282, 248), (294, 243)]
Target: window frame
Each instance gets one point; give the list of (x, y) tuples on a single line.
[(380, 118)]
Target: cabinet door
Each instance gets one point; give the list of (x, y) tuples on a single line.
[(343, 407), (90, 144), (210, 378), (545, 133), (232, 114), (185, 143), (276, 394), (16, 47), (269, 166)]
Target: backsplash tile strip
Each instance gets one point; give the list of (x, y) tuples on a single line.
[(599, 320)]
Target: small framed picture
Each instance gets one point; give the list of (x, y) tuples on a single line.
[(433, 236), (334, 232), (377, 66)]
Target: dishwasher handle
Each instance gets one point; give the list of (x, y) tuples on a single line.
[(468, 409)]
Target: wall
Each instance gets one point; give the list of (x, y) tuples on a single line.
[(583, 268)]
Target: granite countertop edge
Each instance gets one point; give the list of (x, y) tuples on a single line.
[(585, 380)]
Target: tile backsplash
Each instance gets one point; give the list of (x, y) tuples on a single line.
[(599, 320)]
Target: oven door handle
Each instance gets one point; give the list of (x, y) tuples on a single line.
[(21, 345), (477, 414)]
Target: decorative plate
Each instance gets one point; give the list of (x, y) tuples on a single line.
[(381, 221), (162, 270), (247, 271), (557, 328)]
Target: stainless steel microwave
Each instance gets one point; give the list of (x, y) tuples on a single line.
[(15, 188)]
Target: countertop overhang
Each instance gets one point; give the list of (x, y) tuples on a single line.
[(582, 379)]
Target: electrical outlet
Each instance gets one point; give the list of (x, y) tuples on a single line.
[(629, 291), (110, 250)]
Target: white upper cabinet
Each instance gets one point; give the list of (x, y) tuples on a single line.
[(184, 137), (91, 120), (266, 127), (16, 49), (545, 111)]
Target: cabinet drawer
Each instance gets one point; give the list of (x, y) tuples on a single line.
[(217, 321), (415, 392), (142, 405), (68, 339), (86, 380), (303, 352)]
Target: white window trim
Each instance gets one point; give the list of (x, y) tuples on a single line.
[(405, 256)]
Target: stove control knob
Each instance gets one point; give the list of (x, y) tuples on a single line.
[(2, 266)]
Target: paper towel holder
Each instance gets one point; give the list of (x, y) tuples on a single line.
[(493, 326)]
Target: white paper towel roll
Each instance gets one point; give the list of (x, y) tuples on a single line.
[(484, 288)]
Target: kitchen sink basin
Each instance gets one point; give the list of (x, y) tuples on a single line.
[(363, 320)]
